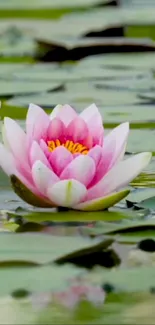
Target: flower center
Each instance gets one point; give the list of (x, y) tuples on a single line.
[(70, 145)]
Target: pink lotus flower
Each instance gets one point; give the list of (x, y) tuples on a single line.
[(70, 297), (65, 160)]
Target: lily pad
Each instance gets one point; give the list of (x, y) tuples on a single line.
[(136, 85), (69, 73), (14, 42), (141, 195), (36, 279), (148, 203), (40, 248), (42, 215), (57, 51), (125, 228), (135, 114), (8, 69), (17, 87), (16, 4), (78, 99), (137, 61), (127, 280), (147, 96)]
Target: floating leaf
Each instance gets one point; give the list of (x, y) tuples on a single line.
[(140, 195), (137, 85), (68, 73), (126, 232), (135, 114), (76, 50), (43, 215), (127, 280), (35, 4), (137, 61), (147, 96), (45, 278), (16, 87), (149, 203), (40, 248), (79, 98)]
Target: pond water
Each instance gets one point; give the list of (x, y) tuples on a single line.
[(79, 53)]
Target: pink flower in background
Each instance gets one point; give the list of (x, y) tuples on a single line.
[(65, 160), (80, 292), (70, 297)]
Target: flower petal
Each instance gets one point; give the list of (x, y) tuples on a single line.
[(67, 193), (8, 164), (119, 135), (37, 122), (44, 148), (56, 110), (102, 203), (77, 131), (7, 161), (56, 130), (105, 162), (65, 113), (96, 153), (4, 137), (59, 159), (81, 168), (43, 176), (36, 153), (16, 139), (120, 175), (92, 117)]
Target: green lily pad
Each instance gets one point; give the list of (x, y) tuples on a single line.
[(37, 279), (76, 49), (78, 99), (14, 42), (134, 238), (147, 95), (16, 87), (148, 203), (128, 280), (125, 228), (8, 69), (138, 85), (40, 248), (141, 195), (16, 4), (137, 61), (43, 215), (101, 76), (135, 114)]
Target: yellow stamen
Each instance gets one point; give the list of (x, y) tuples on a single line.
[(58, 143), (69, 145)]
